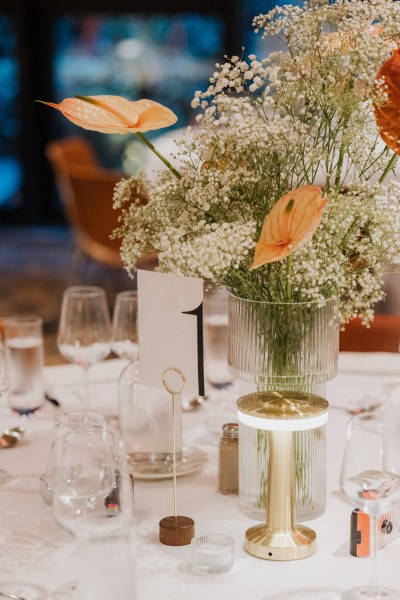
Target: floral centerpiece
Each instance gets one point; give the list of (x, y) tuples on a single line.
[(300, 117), (283, 192)]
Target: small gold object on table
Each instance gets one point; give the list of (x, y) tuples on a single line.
[(175, 530), (280, 414)]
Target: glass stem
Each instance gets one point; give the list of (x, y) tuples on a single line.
[(373, 551), (86, 385)]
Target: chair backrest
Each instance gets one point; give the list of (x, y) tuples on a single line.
[(69, 151), (382, 336), (86, 191)]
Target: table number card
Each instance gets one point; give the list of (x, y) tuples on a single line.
[(171, 328)]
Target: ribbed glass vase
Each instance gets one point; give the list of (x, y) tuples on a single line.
[(283, 346)]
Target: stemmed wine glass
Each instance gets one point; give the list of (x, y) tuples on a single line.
[(370, 479), (84, 332), (124, 339)]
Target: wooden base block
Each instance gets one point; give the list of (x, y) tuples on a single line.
[(176, 531)]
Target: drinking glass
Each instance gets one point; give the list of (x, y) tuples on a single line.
[(67, 422), (370, 479), (84, 330), (84, 471), (3, 371), (25, 362), (216, 339), (99, 516), (124, 339), (4, 475), (105, 551)]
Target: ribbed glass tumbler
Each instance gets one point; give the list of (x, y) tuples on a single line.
[(283, 346)]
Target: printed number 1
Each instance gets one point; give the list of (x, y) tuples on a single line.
[(198, 312)]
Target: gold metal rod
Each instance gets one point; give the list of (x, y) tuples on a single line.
[(174, 391), (174, 451), (281, 481)]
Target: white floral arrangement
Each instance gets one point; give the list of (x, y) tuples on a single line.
[(310, 116)]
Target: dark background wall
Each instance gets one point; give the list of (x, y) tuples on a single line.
[(51, 49)]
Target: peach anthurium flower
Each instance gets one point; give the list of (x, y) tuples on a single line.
[(115, 114), (292, 220), (387, 113)]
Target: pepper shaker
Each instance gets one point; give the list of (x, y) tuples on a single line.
[(228, 464)]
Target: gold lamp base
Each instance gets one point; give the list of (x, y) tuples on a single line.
[(289, 544)]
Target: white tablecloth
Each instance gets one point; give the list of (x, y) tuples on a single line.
[(33, 548)]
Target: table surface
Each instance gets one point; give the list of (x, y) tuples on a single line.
[(33, 548)]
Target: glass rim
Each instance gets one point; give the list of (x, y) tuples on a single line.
[(85, 290), (318, 303), (127, 294), (27, 319), (65, 414), (222, 539)]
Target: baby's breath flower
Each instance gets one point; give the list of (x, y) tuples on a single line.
[(266, 125)]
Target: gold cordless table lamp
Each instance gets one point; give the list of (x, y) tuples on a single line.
[(279, 415)]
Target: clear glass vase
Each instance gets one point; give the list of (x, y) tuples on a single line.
[(146, 423), (283, 346)]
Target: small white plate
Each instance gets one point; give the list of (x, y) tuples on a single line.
[(192, 460), (29, 591)]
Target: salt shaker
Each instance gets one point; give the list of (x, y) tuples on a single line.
[(228, 464)]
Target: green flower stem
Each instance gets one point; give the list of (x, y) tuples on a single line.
[(157, 153), (288, 273), (389, 167), (342, 152), (339, 166)]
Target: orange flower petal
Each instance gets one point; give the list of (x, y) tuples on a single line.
[(289, 224), (274, 252), (155, 117), (387, 115), (114, 114)]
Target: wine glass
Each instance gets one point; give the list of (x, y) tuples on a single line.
[(85, 471), (84, 330), (124, 339), (370, 479)]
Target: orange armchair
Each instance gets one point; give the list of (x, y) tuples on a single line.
[(86, 192)]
